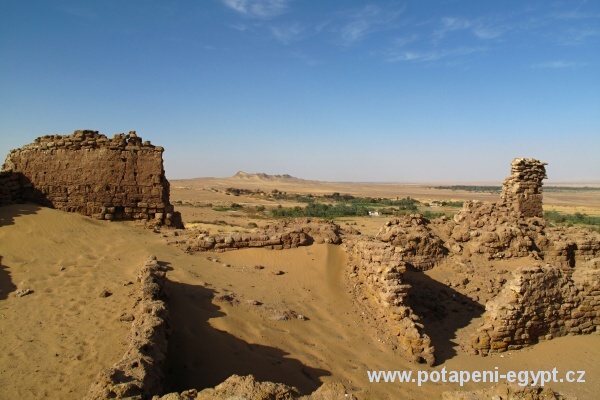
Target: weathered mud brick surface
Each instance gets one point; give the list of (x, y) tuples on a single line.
[(90, 174)]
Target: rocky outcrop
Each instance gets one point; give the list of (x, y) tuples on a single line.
[(376, 274), (284, 235), (540, 303), (88, 173), (138, 375), (413, 241)]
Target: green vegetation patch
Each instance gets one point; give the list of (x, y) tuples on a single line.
[(556, 218), (232, 207), (320, 210)]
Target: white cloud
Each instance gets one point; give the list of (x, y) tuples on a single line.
[(432, 55), (578, 35), (354, 31), (483, 28), (258, 8), (559, 64), (361, 22), (239, 27), (288, 33), (405, 40)]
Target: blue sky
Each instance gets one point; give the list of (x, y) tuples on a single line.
[(402, 91)]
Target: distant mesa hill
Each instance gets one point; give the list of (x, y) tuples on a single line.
[(266, 177)]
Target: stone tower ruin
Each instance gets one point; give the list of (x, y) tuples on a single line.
[(522, 190), (90, 174)]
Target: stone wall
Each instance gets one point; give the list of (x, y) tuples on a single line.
[(139, 375), (88, 173), (567, 246), (283, 235), (513, 227), (376, 274), (522, 190), (494, 231), (413, 241), (540, 303), (10, 188)]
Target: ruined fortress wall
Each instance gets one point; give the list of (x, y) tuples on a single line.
[(283, 235), (540, 303), (511, 228), (413, 241), (88, 173), (139, 372), (10, 188), (522, 190), (376, 272)]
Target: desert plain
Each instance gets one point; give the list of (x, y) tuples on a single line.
[(289, 316)]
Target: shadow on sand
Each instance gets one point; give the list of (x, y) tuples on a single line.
[(200, 356), (9, 213), (6, 285), (442, 310)]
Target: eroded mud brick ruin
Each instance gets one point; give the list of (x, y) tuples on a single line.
[(522, 190), (553, 291), (556, 291), (90, 174)]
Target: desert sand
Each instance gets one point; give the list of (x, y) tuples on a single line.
[(227, 315)]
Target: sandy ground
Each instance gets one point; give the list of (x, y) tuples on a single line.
[(226, 316)]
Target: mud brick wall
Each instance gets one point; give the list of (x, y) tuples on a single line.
[(567, 247), (522, 190), (88, 173), (494, 231), (139, 373), (513, 227), (10, 188), (540, 303), (283, 235), (376, 273), (413, 241)]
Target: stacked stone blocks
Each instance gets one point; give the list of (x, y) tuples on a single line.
[(522, 190)]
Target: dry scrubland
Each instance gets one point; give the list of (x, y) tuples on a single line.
[(299, 316)]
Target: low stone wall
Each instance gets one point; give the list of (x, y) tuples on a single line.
[(138, 375), (88, 173), (540, 303), (376, 271), (284, 235)]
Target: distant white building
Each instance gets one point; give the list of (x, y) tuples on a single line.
[(374, 213)]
